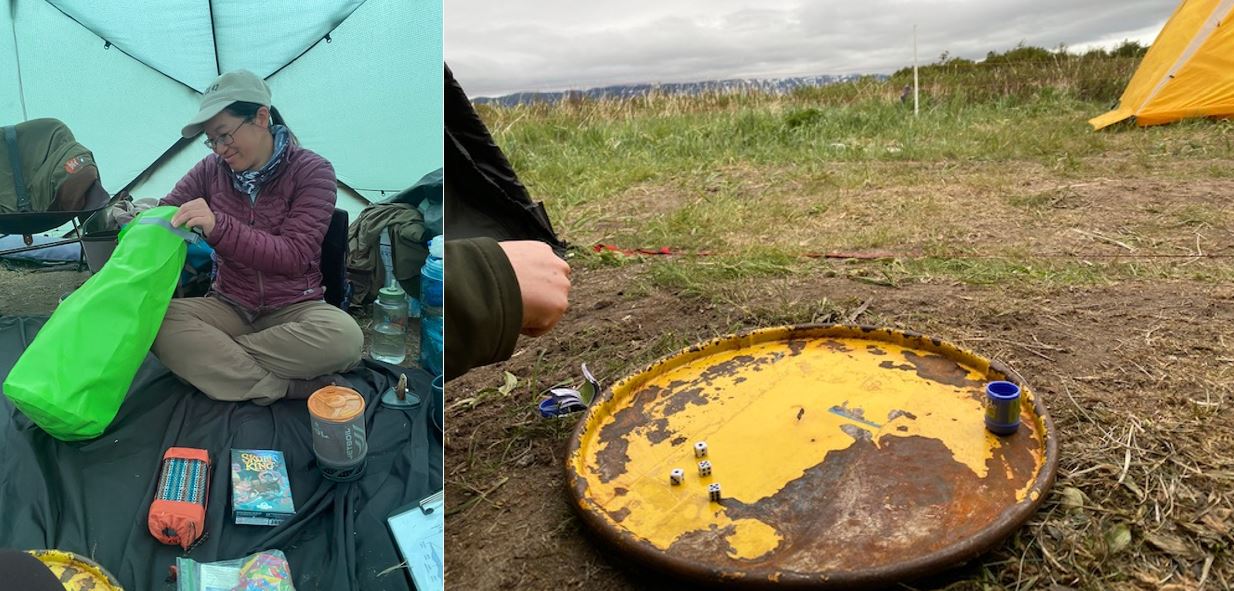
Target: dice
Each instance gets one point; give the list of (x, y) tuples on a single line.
[(713, 492), (704, 468), (677, 476), (700, 449)]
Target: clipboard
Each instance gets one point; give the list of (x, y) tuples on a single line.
[(419, 530)]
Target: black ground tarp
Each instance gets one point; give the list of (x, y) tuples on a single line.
[(92, 497)]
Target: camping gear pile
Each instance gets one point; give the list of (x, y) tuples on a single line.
[(47, 179), (406, 223)]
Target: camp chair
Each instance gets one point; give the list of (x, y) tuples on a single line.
[(26, 224), (27, 221), (334, 261)]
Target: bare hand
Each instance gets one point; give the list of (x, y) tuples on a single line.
[(195, 214), (543, 279)]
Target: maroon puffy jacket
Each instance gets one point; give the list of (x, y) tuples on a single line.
[(269, 251)]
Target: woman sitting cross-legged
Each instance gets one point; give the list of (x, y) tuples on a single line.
[(264, 204)]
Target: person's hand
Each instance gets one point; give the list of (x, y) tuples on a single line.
[(543, 279), (195, 214)]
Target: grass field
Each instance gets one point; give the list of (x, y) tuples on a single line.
[(1098, 265)]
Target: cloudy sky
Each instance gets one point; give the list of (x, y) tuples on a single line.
[(496, 47)]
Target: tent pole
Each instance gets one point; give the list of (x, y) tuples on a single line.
[(214, 38), (21, 90), (916, 110), (325, 38), (108, 45), (175, 148)]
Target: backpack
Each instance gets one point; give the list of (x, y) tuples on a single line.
[(43, 168), (402, 227)]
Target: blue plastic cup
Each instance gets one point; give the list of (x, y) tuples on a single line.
[(1002, 413)]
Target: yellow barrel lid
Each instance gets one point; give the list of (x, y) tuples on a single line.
[(336, 403), (848, 456), (77, 573)]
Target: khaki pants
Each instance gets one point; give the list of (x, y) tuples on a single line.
[(211, 346)]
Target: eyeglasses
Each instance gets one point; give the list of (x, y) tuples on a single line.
[(225, 139)]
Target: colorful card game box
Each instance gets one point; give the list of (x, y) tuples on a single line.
[(260, 489)]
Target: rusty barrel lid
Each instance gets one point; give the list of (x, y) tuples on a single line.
[(76, 572), (336, 403), (848, 457)]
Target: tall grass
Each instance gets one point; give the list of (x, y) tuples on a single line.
[(1092, 79), (769, 177)]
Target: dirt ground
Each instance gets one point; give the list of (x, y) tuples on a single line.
[(1132, 374), (1136, 373)]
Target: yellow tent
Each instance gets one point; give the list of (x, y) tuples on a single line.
[(1188, 72)]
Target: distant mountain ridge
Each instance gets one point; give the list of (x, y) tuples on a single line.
[(624, 91)]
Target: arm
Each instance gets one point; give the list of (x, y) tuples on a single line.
[(484, 306), (298, 246)]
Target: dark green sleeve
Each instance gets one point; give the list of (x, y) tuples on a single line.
[(484, 307)]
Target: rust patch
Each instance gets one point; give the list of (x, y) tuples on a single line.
[(660, 431), (678, 440), (875, 350), (731, 368), (1000, 371), (837, 346), (940, 369), (621, 491), (580, 483), (796, 346), (725, 369), (856, 432), (703, 546), (678, 401), (895, 414), (844, 513), (612, 458), (1015, 452), (892, 365), (620, 514)]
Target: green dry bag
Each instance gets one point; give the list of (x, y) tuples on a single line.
[(73, 377)]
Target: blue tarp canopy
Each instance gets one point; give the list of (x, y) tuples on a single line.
[(359, 81)]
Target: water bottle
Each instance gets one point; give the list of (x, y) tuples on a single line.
[(386, 251), (432, 309), (390, 325)]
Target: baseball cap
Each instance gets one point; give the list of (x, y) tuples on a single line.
[(232, 87)]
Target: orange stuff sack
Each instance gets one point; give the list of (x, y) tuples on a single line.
[(178, 513)]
